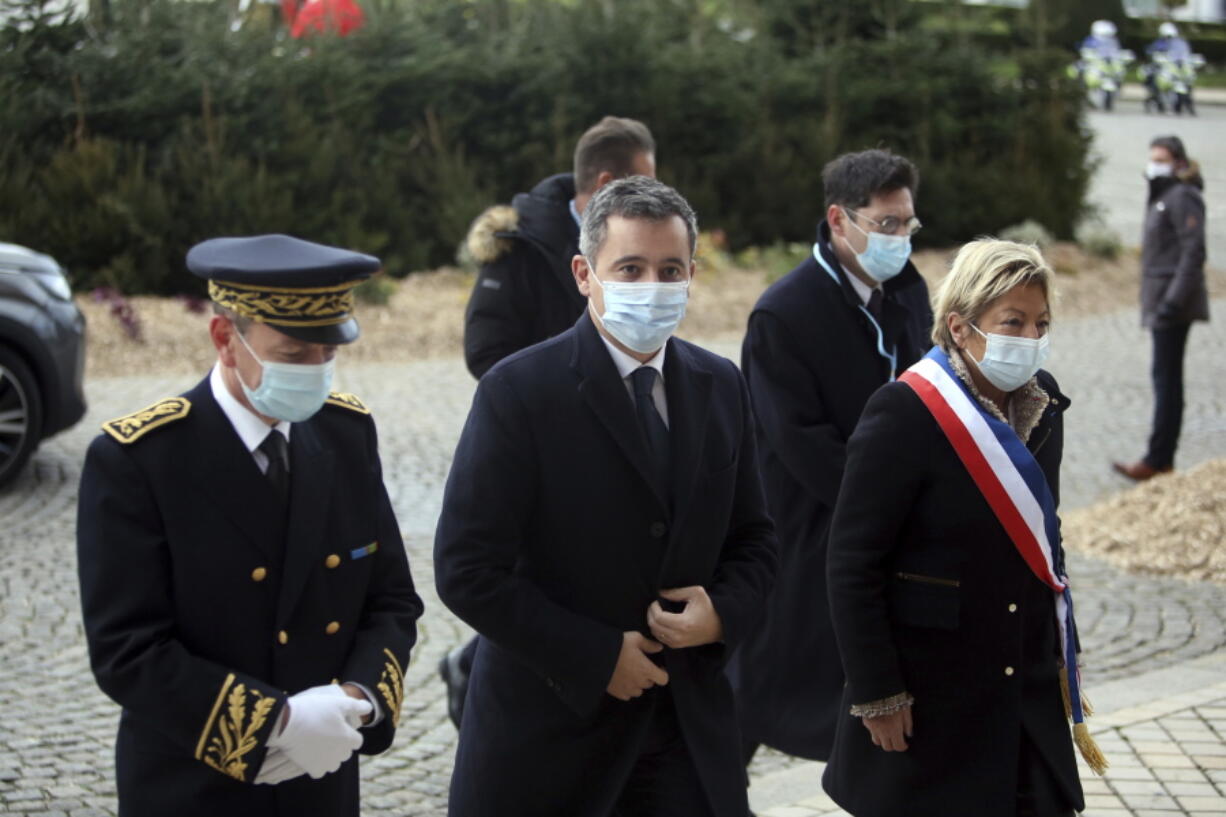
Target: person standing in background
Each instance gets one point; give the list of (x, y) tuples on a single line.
[(1173, 292)]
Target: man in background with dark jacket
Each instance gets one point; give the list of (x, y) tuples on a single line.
[(525, 291), (820, 341)]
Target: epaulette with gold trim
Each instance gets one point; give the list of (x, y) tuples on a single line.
[(349, 401), (132, 427)]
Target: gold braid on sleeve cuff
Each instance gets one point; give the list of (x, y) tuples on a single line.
[(886, 706)]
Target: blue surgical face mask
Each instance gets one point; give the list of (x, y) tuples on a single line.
[(1008, 361), (289, 391), (642, 316), (884, 256)]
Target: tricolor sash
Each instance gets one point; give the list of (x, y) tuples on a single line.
[(1010, 479)]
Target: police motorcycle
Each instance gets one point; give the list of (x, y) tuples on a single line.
[(1103, 65), (1170, 74)]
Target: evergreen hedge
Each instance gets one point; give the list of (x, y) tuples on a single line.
[(122, 145)]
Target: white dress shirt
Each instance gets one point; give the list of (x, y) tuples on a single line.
[(247, 424), (626, 366), (862, 289)]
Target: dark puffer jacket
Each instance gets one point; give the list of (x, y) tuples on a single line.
[(525, 292), (1173, 253)]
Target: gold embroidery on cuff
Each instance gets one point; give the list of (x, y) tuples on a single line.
[(391, 684), (225, 741)]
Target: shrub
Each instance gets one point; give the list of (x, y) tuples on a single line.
[(125, 142), (1099, 240), (1028, 232)]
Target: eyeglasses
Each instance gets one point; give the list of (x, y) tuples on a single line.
[(891, 225)]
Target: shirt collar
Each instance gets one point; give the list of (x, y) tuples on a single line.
[(626, 365), (862, 289), (250, 428), (574, 213)]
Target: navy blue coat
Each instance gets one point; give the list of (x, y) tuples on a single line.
[(811, 360), (553, 543), (205, 608), (929, 595)]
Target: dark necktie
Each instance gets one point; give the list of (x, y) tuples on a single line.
[(654, 430), (277, 451), (874, 305)]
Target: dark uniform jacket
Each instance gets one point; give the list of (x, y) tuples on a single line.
[(929, 595), (525, 291), (553, 543), (1173, 288), (205, 607), (811, 360)]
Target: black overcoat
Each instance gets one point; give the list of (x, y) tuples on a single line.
[(929, 595), (811, 360), (205, 608), (528, 293), (552, 543)]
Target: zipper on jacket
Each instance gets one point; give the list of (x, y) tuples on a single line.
[(1039, 444), (916, 577)]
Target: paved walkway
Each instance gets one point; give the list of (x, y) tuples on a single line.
[(1154, 648)]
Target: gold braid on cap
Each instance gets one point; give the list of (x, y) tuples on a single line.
[(287, 306)]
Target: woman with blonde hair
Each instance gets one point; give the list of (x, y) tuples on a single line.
[(947, 584)]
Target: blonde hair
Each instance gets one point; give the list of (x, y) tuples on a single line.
[(982, 271)]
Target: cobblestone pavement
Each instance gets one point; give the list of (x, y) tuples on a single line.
[(57, 729)]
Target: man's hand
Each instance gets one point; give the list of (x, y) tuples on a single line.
[(635, 672), (695, 625), (277, 768), (354, 691), (890, 731), (318, 735)]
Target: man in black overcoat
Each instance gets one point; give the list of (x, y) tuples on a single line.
[(525, 292), (820, 341), (246, 593), (604, 530)]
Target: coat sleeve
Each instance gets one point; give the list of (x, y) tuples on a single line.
[(789, 407), (388, 627), (748, 560), (499, 318), (220, 716), (1187, 214), (886, 466), (490, 493)]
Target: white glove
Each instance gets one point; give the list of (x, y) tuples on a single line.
[(278, 768), (319, 736)]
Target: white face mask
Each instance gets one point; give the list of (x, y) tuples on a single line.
[(1009, 362), (1156, 170), (288, 391), (884, 255), (642, 316)]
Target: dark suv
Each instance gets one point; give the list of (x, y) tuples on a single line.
[(42, 355)]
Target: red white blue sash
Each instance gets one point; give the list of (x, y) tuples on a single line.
[(1010, 479)]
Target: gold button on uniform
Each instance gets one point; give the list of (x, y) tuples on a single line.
[(1008, 670), (283, 637), (332, 628), (1012, 608), (258, 574), (332, 561)]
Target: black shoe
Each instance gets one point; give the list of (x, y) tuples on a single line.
[(456, 680)]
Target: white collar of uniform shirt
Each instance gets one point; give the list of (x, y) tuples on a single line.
[(250, 428), (626, 366)]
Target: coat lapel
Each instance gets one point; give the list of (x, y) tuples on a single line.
[(310, 476), (605, 394), (688, 388), (226, 471)]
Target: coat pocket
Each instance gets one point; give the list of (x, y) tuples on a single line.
[(918, 600)]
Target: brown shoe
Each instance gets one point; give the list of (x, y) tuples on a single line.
[(1139, 470)]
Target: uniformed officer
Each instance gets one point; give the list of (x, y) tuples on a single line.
[(246, 593)]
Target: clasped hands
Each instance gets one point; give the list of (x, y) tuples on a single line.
[(318, 733), (696, 624)]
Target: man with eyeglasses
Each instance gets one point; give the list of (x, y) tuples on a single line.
[(820, 340)]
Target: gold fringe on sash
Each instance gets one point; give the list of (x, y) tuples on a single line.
[(1090, 752), (1093, 756)]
